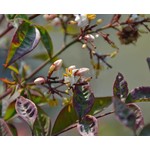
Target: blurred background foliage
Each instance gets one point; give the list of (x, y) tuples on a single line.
[(130, 61)]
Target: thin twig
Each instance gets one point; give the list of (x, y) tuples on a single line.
[(50, 59)]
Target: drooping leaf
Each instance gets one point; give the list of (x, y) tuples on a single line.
[(88, 126), (120, 87), (124, 113), (7, 81), (139, 117), (145, 131), (139, 94), (10, 111), (4, 129), (46, 40), (148, 62), (68, 114), (65, 118), (26, 109), (24, 41), (42, 124), (83, 100)]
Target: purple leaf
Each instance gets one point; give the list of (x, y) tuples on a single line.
[(139, 94), (120, 88), (124, 113), (4, 129), (26, 109), (83, 100), (24, 41), (139, 117), (88, 126)]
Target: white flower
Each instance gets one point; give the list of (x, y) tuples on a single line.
[(89, 37), (82, 20)]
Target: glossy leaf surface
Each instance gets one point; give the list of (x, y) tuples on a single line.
[(139, 94), (46, 40), (120, 88), (24, 41), (83, 100), (68, 114), (124, 113)]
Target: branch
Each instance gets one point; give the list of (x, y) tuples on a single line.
[(5, 94), (75, 125), (11, 27), (51, 59)]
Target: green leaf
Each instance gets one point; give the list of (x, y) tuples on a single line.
[(14, 69), (10, 16), (65, 118), (88, 126), (100, 103), (41, 56), (120, 88), (4, 129), (21, 16), (46, 40), (145, 131), (139, 94), (83, 100), (124, 113), (42, 124), (68, 114), (10, 111), (24, 41)]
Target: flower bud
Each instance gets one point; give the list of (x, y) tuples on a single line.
[(99, 21), (91, 16), (81, 71), (39, 81), (55, 66), (72, 67), (97, 35), (49, 16), (84, 46)]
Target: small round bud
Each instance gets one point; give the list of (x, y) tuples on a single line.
[(97, 35), (72, 22), (84, 46), (99, 21), (39, 81)]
